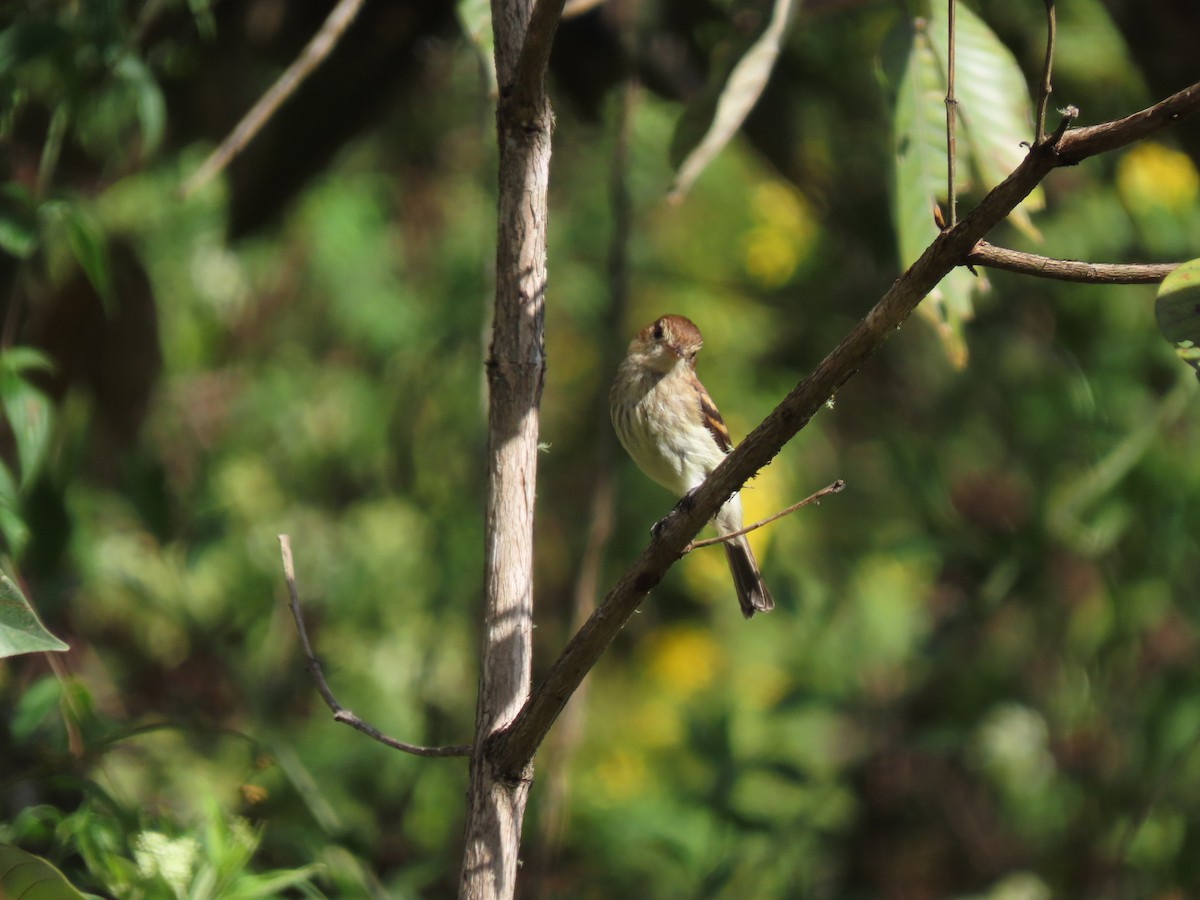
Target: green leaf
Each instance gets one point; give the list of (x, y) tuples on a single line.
[(22, 359), (206, 23), (29, 411), (12, 522), (18, 221), (88, 244), (919, 134), (37, 703), (20, 629), (30, 877), (1178, 312), (711, 120), (993, 104), (148, 100)]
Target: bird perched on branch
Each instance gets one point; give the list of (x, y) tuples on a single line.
[(670, 426)]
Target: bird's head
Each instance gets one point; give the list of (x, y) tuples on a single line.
[(666, 341)]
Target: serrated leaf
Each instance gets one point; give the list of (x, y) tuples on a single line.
[(30, 877), (993, 104), (20, 629), (475, 19), (1177, 310), (919, 135), (713, 118)]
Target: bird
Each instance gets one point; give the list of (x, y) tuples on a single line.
[(669, 425)]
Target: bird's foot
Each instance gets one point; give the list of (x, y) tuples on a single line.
[(683, 506)]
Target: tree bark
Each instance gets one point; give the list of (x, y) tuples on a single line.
[(515, 368)]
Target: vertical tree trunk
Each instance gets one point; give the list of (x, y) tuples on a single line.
[(515, 367)]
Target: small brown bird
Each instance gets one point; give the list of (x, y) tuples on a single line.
[(670, 426)]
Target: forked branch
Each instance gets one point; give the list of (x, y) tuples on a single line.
[(512, 749), (994, 257), (340, 713)]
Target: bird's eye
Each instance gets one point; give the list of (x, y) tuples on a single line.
[(658, 331)]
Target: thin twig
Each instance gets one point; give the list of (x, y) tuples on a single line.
[(834, 488), (1047, 68), (340, 713), (951, 120), (994, 257), (312, 56)]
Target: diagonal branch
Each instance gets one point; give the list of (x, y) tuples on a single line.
[(340, 713), (994, 257), (513, 748), (313, 55)]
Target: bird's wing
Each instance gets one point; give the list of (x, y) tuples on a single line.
[(712, 417)]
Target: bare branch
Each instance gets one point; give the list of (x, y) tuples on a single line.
[(513, 748), (834, 488), (994, 257), (529, 78), (1080, 143), (1045, 88), (340, 713), (313, 55)]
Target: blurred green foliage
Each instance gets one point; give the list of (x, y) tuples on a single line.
[(980, 680)]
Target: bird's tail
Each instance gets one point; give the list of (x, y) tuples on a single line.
[(747, 580)]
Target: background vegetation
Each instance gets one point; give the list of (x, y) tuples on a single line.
[(981, 677)]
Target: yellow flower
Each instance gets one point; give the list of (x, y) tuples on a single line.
[(781, 236), (684, 660), (622, 775), (1151, 175)]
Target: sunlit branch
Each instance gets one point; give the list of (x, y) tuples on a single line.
[(834, 488), (994, 257), (252, 123), (340, 713)]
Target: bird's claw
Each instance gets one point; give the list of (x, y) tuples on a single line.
[(684, 505), (657, 528)]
